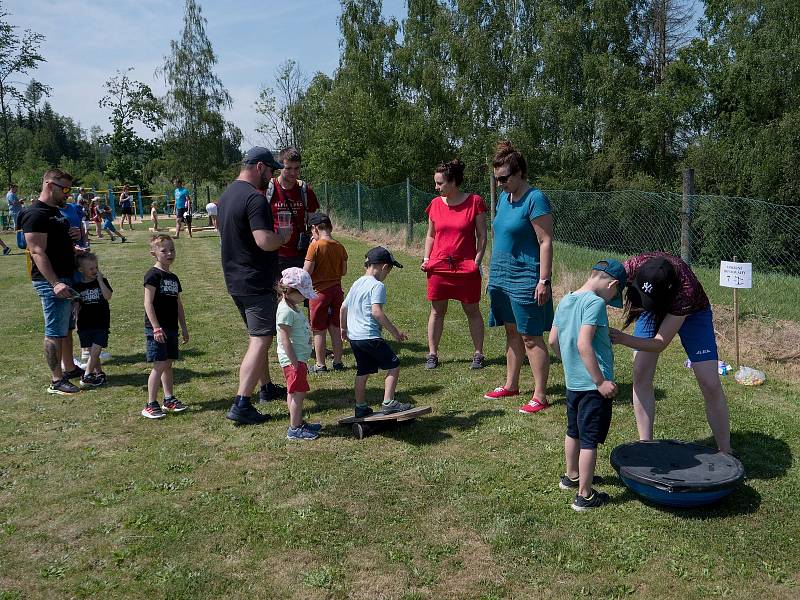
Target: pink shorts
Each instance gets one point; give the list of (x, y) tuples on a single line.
[(296, 379)]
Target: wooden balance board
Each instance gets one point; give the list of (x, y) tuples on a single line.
[(365, 425)]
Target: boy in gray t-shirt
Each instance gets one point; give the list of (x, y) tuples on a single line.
[(362, 318)]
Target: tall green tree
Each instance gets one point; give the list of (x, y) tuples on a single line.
[(131, 102), (19, 54), (195, 143)]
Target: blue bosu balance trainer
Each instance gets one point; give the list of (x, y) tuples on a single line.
[(676, 473)]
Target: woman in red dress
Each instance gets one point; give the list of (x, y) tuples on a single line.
[(454, 249)]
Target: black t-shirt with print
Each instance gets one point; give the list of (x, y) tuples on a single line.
[(248, 270), (95, 312), (165, 301), (41, 218)]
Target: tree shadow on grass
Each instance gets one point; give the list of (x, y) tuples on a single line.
[(139, 357), (625, 394), (763, 456), (219, 405), (181, 376)]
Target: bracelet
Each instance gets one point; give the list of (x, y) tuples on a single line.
[(158, 330), (425, 259)]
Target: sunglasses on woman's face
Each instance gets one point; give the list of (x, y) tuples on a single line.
[(501, 179)]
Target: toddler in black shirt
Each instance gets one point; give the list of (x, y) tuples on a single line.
[(163, 313), (94, 316)]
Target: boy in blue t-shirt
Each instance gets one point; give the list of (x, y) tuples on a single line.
[(362, 317), (580, 337)]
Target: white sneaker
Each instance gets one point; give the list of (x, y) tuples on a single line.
[(82, 365)]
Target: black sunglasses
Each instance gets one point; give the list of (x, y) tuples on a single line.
[(502, 178)]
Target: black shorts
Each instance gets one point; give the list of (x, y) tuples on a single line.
[(258, 313), (127, 210), (89, 337), (157, 351), (184, 216), (588, 417), (373, 355)]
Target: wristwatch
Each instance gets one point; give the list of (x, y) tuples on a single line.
[(544, 282)]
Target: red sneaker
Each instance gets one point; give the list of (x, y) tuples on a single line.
[(500, 392), (534, 406)]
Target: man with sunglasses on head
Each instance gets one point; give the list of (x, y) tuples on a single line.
[(50, 241), (249, 263)]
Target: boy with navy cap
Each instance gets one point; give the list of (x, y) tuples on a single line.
[(362, 318), (580, 337)]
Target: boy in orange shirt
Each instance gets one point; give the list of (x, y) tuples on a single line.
[(326, 262)]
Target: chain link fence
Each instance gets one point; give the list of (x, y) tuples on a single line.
[(713, 228)]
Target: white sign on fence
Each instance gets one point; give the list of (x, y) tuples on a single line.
[(735, 274)]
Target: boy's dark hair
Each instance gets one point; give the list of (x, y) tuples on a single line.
[(84, 258), (290, 154)]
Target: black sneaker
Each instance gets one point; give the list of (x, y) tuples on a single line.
[(572, 484), (339, 366), (595, 500), (89, 380), (101, 378), (63, 387), (363, 411), (172, 404), (431, 361), (477, 361), (246, 415), (317, 369), (152, 410), (271, 391), (76, 373)]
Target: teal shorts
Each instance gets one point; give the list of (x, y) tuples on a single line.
[(530, 318)]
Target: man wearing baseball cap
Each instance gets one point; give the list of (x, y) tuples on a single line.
[(249, 264)]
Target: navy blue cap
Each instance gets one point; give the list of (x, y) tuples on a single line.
[(259, 154)]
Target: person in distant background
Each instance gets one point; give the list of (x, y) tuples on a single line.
[(126, 207), (183, 209)]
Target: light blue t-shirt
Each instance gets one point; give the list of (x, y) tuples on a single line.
[(515, 250), (13, 202), (365, 292), (181, 194), (300, 335), (574, 310)]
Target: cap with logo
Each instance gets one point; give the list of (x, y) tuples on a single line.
[(259, 154), (654, 285), (381, 256), (616, 270)]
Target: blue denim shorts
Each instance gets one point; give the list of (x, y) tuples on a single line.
[(59, 317), (696, 333), (156, 351)]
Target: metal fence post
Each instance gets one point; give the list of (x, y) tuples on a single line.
[(409, 222), (358, 206), (686, 216)]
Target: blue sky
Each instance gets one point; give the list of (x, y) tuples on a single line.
[(88, 40)]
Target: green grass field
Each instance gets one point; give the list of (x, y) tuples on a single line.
[(97, 502)]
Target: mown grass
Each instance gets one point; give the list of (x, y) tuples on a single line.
[(96, 501)]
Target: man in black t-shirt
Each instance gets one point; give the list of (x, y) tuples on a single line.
[(249, 263), (50, 241)]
